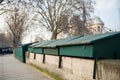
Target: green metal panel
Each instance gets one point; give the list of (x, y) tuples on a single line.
[(77, 50), (58, 42), (89, 39), (55, 43), (51, 51), (38, 50), (31, 47), (20, 52), (109, 48)]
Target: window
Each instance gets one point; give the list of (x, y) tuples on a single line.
[(99, 30)]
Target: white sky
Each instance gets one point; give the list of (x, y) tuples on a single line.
[(1, 22), (108, 11)]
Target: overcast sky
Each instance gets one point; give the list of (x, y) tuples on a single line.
[(109, 13)]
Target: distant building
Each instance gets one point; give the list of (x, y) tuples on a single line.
[(96, 26), (63, 34), (4, 41), (38, 38)]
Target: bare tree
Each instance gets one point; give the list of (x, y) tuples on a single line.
[(77, 27), (78, 21), (16, 14), (51, 12), (1, 1), (17, 23), (54, 15), (87, 7)]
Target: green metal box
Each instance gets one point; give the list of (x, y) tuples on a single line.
[(38, 50), (20, 52), (77, 50), (51, 51), (105, 45)]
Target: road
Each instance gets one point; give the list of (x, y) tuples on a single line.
[(12, 69)]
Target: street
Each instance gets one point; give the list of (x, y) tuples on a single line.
[(12, 69)]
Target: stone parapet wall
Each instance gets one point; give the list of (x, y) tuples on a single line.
[(52, 60), (39, 57), (72, 68), (108, 70)]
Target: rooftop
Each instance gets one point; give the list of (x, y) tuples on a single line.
[(88, 39)]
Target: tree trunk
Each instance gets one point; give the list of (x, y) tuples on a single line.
[(14, 45), (54, 35), (84, 14)]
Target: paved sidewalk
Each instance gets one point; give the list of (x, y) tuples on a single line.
[(12, 69)]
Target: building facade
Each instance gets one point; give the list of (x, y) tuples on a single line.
[(4, 41), (96, 26)]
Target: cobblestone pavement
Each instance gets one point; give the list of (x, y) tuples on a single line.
[(12, 69)]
